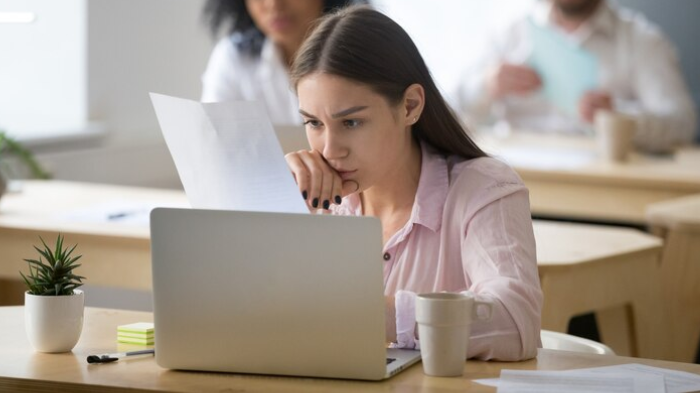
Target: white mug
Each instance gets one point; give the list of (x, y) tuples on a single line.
[(444, 326), (614, 132)]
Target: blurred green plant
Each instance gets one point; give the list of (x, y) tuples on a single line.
[(10, 147), (53, 277)]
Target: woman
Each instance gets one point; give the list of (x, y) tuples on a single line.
[(252, 63), (384, 143)]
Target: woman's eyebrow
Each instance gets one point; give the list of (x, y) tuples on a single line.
[(342, 113), (301, 111), (348, 111)]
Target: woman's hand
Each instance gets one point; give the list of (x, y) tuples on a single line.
[(319, 183)]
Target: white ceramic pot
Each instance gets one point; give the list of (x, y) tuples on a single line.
[(54, 323)]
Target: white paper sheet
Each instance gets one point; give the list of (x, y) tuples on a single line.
[(545, 158), (637, 377), (676, 381), (115, 211), (227, 155), (512, 381)]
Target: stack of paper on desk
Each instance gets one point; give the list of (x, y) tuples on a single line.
[(620, 378), (227, 155)]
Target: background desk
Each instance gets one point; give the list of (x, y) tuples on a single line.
[(567, 179), (22, 369), (114, 254)]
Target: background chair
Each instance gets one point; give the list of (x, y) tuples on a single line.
[(567, 342), (677, 221), (611, 271)]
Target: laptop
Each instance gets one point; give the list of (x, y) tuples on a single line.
[(271, 293)]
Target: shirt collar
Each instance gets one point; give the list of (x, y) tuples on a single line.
[(431, 194), (602, 21), (432, 190)]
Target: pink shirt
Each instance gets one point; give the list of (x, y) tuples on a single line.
[(470, 229)]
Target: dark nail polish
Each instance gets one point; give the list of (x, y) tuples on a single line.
[(314, 203), (304, 194), (338, 200), (326, 204)]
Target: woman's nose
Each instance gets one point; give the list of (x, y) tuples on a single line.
[(332, 146)]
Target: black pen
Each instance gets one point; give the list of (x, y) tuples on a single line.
[(119, 215), (113, 357)]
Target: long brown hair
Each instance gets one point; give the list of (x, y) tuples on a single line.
[(363, 45)]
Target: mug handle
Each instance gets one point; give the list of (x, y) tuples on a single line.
[(483, 304)]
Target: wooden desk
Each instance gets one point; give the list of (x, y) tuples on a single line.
[(567, 179), (22, 369)]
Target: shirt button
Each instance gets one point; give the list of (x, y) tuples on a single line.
[(387, 256)]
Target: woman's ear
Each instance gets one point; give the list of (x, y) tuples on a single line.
[(413, 103)]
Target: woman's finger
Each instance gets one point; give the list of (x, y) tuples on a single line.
[(328, 180), (314, 179), (300, 172)]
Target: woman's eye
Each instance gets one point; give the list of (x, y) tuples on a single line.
[(312, 123), (352, 123)]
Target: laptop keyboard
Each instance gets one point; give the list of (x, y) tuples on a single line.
[(390, 360)]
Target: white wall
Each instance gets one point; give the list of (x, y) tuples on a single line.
[(138, 46), (450, 33), (42, 66), (133, 47)]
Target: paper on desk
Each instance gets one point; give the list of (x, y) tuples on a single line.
[(227, 155), (567, 70), (672, 381), (115, 211), (545, 158), (572, 381), (676, 381)]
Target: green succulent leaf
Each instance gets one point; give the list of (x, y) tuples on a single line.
[(53, 275)]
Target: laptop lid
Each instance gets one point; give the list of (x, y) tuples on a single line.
[(268, 293)]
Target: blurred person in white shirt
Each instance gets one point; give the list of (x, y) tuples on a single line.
[(252, 62), (638, 74)]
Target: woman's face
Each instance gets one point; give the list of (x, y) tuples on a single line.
[(284, 21), (356, 130)]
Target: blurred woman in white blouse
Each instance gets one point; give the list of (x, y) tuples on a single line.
[(252, 62)]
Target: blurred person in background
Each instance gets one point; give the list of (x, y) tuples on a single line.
[(252, 61), (636, 73)]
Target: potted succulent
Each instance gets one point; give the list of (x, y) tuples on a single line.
[(53, 303), (9, 146)]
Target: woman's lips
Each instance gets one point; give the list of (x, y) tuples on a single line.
[(346, 175), (280, 23)]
